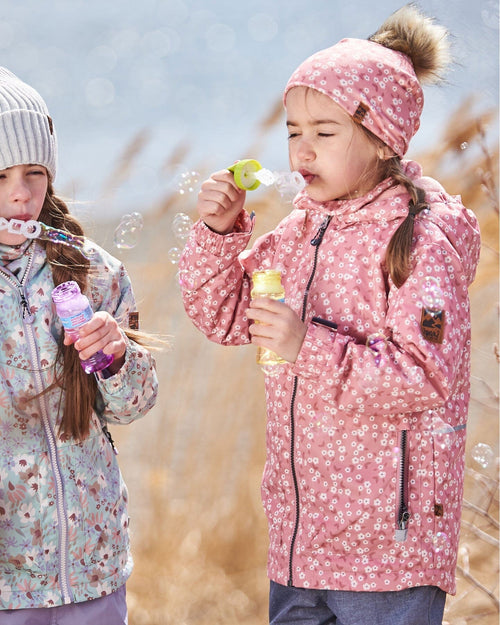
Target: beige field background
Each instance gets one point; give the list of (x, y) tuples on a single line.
[(193, 465)]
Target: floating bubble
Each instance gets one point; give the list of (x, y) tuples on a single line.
[(181, 226), (442, 433), (463, 557), (174, 255), (377, 343), (396, 457), (271, 371), (432, 295), (266, 176), (415, 375), (127, 232), (440, 542), (287, 183), (187, 181), (490, 16), (482, 454), (135, 219), (185, 279), (464, 145)]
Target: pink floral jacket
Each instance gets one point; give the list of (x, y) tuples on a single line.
[(366, 430)]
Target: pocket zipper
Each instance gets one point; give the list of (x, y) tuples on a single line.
[(403, 514)]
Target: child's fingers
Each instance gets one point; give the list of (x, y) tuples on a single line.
[(100, 333)]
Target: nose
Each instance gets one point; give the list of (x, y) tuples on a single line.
[(305, 150), (19, 191)]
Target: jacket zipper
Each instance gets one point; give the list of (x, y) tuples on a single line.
[(28, 319), (403, 514), (316, 242)]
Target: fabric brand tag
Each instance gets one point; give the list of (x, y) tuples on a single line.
[(133, 320), (432, 325)]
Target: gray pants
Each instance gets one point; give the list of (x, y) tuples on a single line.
[(108, 610), (423, 605)]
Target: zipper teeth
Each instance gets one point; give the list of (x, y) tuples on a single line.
[(402, 478), (316, 242), (295, 484), (63, 542)]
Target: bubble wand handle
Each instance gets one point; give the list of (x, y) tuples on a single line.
[(32, 229)]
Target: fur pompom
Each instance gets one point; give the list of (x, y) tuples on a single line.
[(416, 35)]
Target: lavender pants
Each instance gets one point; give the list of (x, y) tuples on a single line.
[(108, 610)]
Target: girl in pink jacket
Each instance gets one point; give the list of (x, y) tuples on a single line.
[(367, 418)]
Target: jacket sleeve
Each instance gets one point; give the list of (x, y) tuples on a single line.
[(215, 287), (131, 392), (406, 369)]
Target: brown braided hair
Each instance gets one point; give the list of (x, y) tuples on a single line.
[(397, 256)]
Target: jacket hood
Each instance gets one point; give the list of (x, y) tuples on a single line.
[(388, 202)]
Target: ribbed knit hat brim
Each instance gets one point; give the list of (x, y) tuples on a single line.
[(27, 135)]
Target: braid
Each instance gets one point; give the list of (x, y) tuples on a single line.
[(69, 264), (398, 252)]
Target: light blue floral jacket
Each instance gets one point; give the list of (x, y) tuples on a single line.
[(63, 505)]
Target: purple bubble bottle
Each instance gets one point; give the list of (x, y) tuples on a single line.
[(74, 310)]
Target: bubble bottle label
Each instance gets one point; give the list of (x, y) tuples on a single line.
[(74, 310), (267, 283)]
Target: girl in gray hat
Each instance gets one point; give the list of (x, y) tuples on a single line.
[(64, 541)]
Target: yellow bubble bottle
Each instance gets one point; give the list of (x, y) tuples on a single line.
[(267, 283)]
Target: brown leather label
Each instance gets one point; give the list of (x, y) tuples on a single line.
[(360, 112), (133, 320), (432, 325)]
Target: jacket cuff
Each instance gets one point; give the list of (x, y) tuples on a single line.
[(113, 383), (224, 244), (321, 349)]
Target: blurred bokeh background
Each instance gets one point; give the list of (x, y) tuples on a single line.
[(196, 76), (148, 98)]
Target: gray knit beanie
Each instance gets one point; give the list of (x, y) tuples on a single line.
[(27, 135)]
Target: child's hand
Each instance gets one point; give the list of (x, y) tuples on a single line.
[(220, 201), (279, 328), (100, 333)]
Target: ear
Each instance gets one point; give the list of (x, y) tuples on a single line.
[(384, 152)]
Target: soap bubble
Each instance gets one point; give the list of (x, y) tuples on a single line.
[(127, 232), (463, 557), (287, 183), (181, 226), (271, 371), (432, 295), (185, 279), (489, 15), (396, 457), (442, 432), (483, 455), (440, 542), (187, 181), (265, 176), (174, 255), (377, 343)]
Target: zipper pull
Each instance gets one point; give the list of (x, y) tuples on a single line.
[(107, 434), (27, 316), (321, 231), (402, 530)]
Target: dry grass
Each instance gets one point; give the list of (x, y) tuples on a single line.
[(193, 466)]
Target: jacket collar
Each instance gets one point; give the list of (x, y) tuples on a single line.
[(385, 202)]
